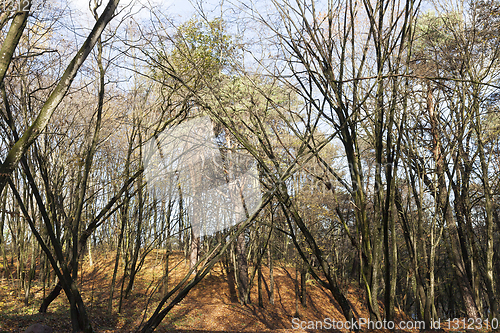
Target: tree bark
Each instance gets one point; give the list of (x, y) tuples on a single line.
[(11, 40)]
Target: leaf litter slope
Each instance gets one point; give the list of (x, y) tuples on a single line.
[(211, 306)]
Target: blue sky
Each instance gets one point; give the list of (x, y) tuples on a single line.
[(179, 8)]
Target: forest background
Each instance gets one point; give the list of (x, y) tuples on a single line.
[(373, 125)]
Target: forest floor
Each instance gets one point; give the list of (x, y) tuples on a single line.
[(212, 306)]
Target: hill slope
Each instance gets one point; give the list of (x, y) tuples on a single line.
[(211, 306)]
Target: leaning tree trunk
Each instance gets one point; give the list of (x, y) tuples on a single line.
[(18, 150)]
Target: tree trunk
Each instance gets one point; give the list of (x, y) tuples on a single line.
[(138, 238), (194, 250), (259, 285), (490, 280), (303, 286), (18, 150), (11, 40), (271, 269), (167, 248), (242, 271), (124, 213), (445, 208)]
